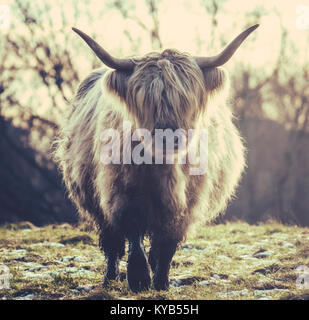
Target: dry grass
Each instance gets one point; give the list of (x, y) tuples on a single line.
[(232, 261)]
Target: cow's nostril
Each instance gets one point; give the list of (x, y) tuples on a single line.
[(176, 141)]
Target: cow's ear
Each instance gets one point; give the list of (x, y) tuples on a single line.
[(215, 78), (89, 83), (117, 82)]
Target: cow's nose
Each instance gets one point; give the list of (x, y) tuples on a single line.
[(169, 143)]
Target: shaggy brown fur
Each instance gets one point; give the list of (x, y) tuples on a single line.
[(166, 90)]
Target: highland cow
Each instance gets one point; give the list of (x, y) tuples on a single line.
[(167, 90)]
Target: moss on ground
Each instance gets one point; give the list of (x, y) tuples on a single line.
[(230, 261)]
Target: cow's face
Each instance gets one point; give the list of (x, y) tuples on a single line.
[(166, 91)]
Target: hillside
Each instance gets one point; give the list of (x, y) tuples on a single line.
[(231, 261)]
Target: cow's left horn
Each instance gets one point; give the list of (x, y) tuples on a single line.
[(104, 56), (227, 53)]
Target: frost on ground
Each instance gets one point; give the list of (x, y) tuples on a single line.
[(231, 261)]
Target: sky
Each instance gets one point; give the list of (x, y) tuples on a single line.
[(184, 25), (182, 22)]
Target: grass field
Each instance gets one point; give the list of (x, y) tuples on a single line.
[(230, 261)]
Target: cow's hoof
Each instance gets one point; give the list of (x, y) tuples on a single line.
[(160, 282), (138, 272), (108, 279), (112, 273)]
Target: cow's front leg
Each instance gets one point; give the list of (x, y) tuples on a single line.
[(160, 256), (112, 242), (138, 271)]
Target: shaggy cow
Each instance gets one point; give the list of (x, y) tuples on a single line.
[(170, 90)]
